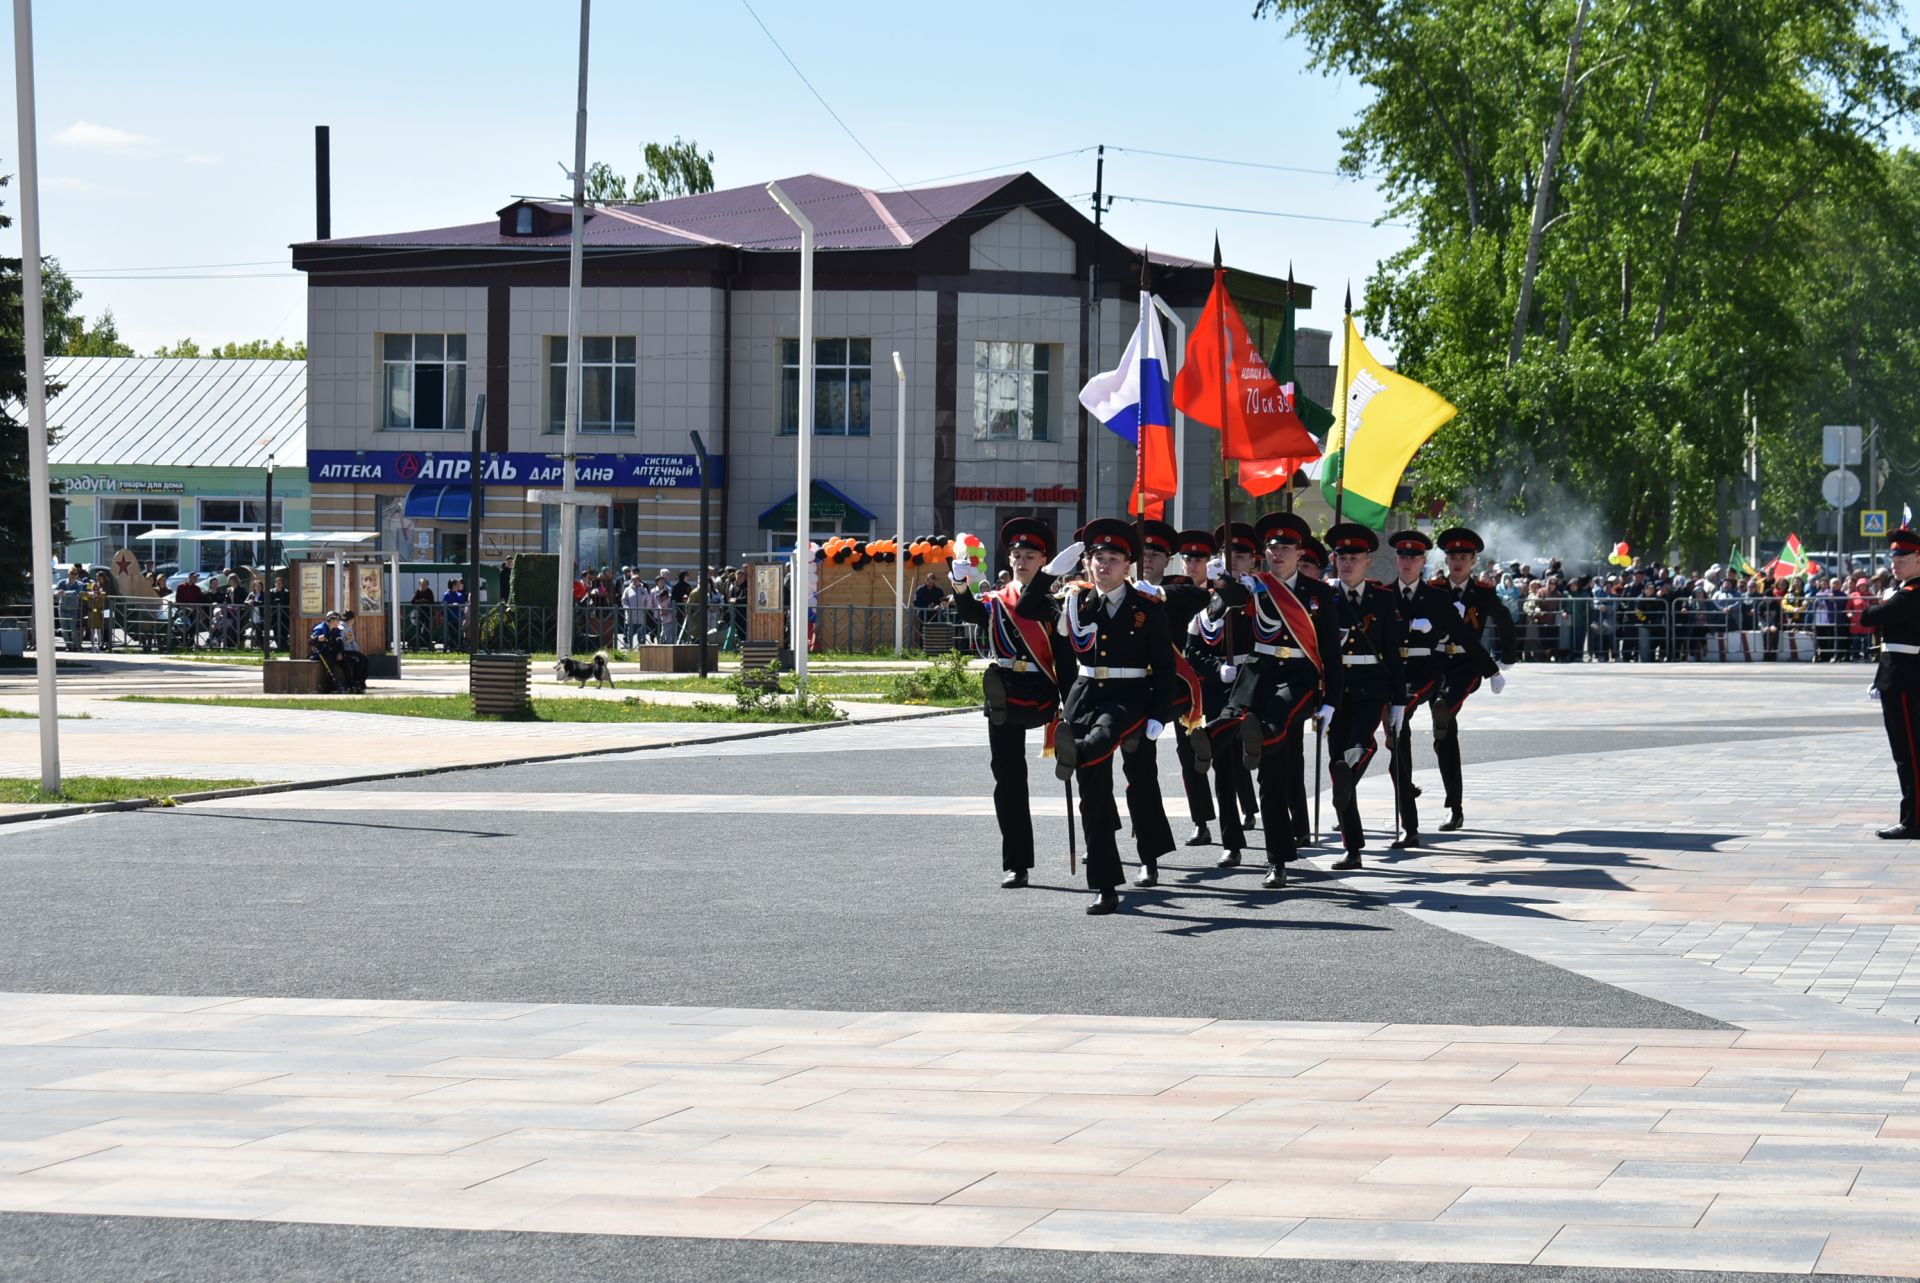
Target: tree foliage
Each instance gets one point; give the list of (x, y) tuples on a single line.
[(678, 168), (99, 339), (251, 350), (1630, 243), (16, 522)]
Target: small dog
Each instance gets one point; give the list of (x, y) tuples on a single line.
[(594, 670)]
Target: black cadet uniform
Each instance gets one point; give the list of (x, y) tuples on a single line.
[(1187, 596), (1213, 638), (1465, 664), (1896, 680), (1147, 809), (1124, 679), (1370, 658), (1313, 567), (1295, 688), (1021, 693), (1428, 624)]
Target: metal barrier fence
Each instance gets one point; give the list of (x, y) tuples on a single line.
[(1822, 628)]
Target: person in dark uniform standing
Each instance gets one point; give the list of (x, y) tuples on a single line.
[(1122, 690), (1428, 622), (1182, 599), (1312, 566), (1216, 646), (1196, 549), (1021, 684), (1896, 679), (1464, 664), (1375, 686)]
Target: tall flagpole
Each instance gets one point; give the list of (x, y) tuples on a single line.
[(1220, 289), (1140, 425), (1346, 371)]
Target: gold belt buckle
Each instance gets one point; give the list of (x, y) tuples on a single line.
[(1100, 673), (1020, 665)]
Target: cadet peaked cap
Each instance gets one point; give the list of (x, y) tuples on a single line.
[(1351, 536), (1315, 551), (1160, 535), (1026, 532), (1237, 535), (1904, 540), (1197, 543), (1111, 533), (1282, 528), (1460, 539), (1410, 541)]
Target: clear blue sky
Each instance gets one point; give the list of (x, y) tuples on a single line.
[(178, 136)]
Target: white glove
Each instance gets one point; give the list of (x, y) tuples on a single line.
[(1504, 666), (1227, 673), (1396, 717), (1461, 606), (1216, 567), (1420, 625), (1888, 594), (1873, 693), (963, 573), (1153, 592), (1155, 729), (1324, 716), (1248, 582), (1066, 559), (1499, 683)]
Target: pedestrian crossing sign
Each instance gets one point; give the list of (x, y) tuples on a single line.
[(1873, 523)]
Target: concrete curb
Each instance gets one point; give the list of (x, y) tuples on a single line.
[(296, 786)]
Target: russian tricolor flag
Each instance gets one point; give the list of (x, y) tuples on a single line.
[(1135, 401)]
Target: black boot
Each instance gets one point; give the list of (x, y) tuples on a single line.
[(1276, 878), (1201, 836), (993, 690), (1900, 832), (1230, 860), (1149, 875), (1352, 861), (1107, 901), (1453, 821), (1407, 842), (1015, 879), (1201, 745)]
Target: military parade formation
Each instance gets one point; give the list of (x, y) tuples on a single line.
[(1245, 653)]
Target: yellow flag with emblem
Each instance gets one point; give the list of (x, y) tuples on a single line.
[(1379, 419)]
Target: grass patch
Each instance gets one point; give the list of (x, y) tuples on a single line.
[(11, 714), (459, 708), (110, 788)]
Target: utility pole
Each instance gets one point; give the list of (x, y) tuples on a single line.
[(569, 513), (32, 311)]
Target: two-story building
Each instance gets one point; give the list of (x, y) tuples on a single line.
[(689, 322)]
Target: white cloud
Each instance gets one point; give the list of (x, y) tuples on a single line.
[(84, 133), (202, 158)]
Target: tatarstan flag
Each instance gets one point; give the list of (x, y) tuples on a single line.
[(1380, 419)]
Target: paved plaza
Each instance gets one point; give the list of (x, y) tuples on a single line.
[(757, 1007)]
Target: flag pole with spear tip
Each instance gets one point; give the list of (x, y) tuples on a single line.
[(1339, 502), (1219, 285)]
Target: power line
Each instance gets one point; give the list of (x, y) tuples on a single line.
[(1263, 213), (1221, 160)]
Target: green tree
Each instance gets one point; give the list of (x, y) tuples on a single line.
[(1613, 209), (251, 350), (678, 168), (100, 339), (16, 525)]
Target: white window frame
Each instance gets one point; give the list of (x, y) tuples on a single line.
[(1007, 379), (621, 356), (400, 376), (846, 369)]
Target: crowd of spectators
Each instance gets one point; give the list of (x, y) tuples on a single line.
[(1649, 613)]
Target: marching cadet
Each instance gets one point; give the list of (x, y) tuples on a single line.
[(1183, 599), (1290, 673), (1896, 679), (1369, 654), (1313, 566), (1021, 684), (1463, 664), (1122, 692), (1427, 623), (1219, 639)]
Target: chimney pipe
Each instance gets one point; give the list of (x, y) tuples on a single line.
[(322, 185)]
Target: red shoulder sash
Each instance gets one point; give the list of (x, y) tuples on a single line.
[(1295, 616)]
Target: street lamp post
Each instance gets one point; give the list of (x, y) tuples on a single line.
[(900, 510), (803, 497)]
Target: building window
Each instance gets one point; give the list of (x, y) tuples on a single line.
[(842, 387), (123, 520), (238, 515), (608, 374), (1012, 394), (423, 385)]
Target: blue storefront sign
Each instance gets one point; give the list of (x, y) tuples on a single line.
[(414, 467)]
